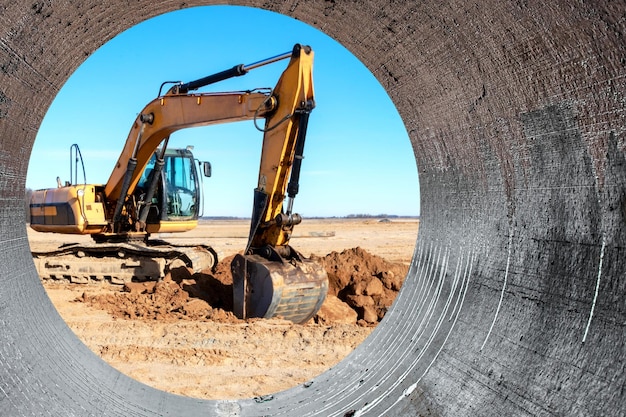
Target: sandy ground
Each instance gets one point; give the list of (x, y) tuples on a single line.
[(228, 359)]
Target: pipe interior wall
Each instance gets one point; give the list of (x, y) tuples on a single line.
[(515, 303)]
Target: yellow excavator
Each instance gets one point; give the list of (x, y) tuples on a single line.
[(155, 189)]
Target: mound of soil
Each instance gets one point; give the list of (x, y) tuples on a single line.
[(367, 283), (362, 286), (179, 296)]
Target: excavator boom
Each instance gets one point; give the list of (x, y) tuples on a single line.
[(167, 114)]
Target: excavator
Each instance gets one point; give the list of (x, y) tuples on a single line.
[(154, 189)]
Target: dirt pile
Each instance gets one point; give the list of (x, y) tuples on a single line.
[(362, 286), (364, 282), (180, 296)]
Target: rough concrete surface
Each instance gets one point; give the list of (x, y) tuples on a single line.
[(515, 303)]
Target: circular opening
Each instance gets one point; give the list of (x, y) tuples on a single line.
[(359, 221)]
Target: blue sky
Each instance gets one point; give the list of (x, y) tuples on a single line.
[(358, 158)]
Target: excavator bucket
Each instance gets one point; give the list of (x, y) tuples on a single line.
[(290, 289)]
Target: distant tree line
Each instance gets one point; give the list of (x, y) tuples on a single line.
[(370, 216), (365, 216), (349, 216)]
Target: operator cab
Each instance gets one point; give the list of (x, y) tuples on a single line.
[(178, 194)]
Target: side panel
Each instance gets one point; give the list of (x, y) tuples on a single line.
[(73, 209)]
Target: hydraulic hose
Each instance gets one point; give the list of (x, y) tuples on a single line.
[(294, 180), (236, 71)]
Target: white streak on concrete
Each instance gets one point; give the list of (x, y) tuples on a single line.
[(506, 275), (595, 296)]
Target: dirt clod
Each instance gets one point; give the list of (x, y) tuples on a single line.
[(336, 311)]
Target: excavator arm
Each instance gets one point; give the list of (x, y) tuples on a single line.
[(282, 154), (272, 278)]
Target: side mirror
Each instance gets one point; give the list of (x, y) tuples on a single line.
[(206, 167)]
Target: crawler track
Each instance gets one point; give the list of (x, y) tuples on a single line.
[(121, 262)]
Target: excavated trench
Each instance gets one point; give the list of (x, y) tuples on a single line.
[(515, 303)]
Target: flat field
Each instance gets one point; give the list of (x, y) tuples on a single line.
[(216, 356)]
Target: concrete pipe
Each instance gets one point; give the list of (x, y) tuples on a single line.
[(515, 303)]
